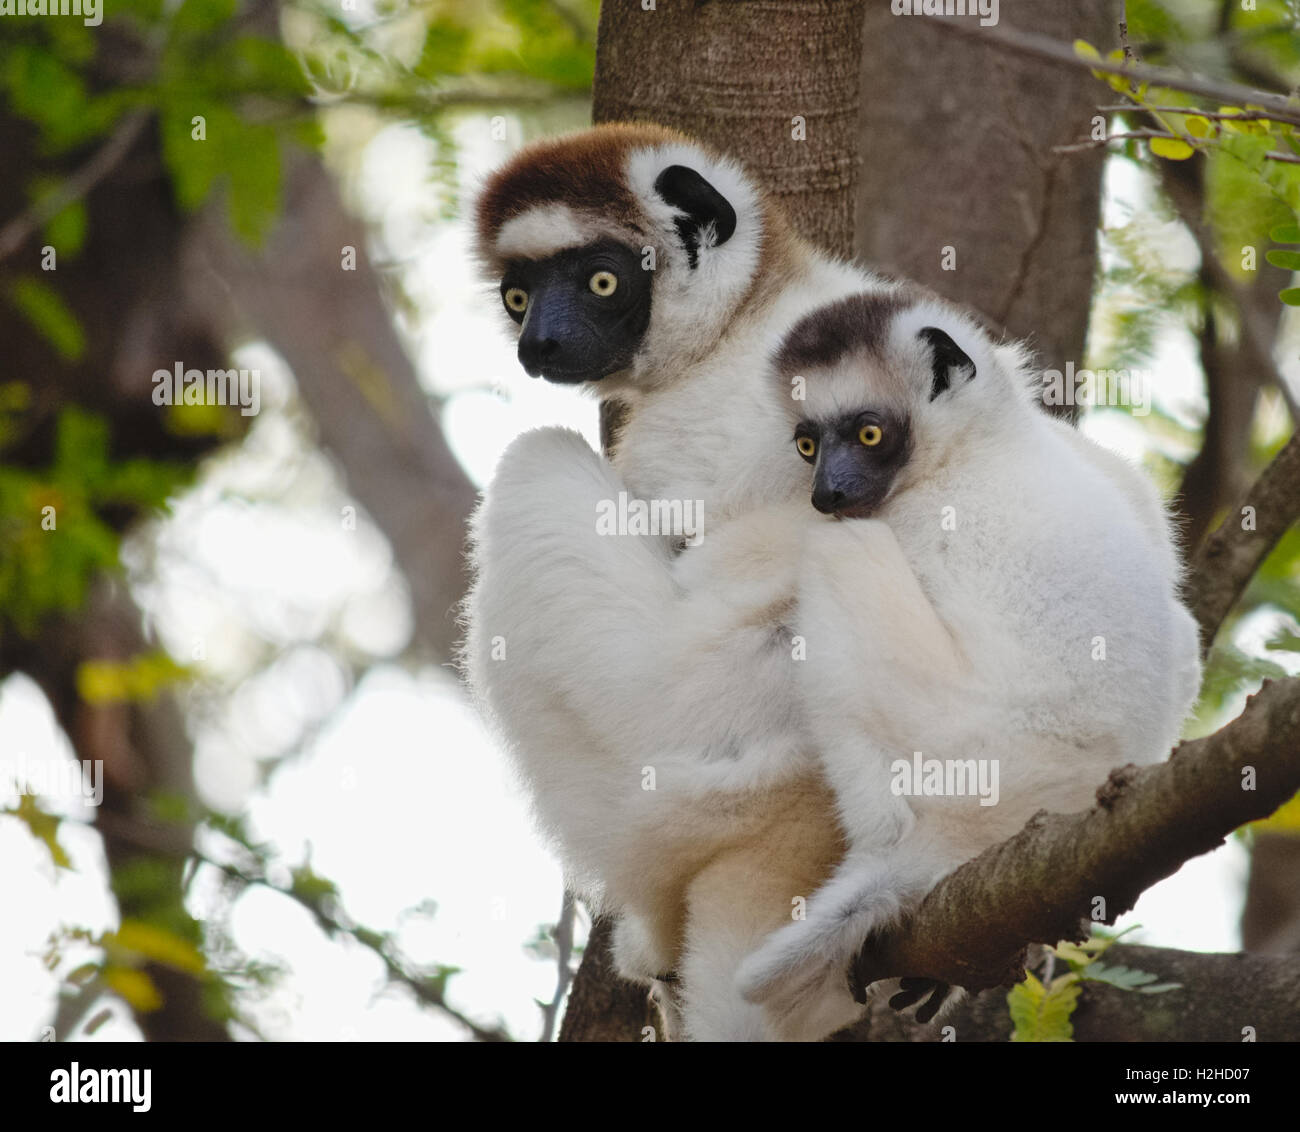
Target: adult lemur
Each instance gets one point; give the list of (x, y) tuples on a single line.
[(649, 698), (646, 697)]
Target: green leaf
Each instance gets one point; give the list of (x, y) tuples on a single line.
[(81, 448), (1284, 641), (1250, 150), (50, 316), (1042, 1013), (1287, 260), (194, 164), (1285, 234), (66, 230), (254, 182), (1126, 978), (446, 48), (1291, 296), (44, 827)]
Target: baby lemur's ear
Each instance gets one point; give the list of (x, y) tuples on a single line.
[(702, 204), (947, 356)]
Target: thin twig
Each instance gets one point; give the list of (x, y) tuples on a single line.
[(160, 839), (1129, 135), (1280, 108), (102, 162), (1194, 112), (563, 965)]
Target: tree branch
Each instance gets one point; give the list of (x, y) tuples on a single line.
[(1278, 107), (563, 964), (1147, 135), (1227, 560), (1043, 884), (1218, 996), (104, 160), (169, 841)]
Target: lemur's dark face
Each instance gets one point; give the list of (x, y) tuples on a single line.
[(855, 458), (584, 311)]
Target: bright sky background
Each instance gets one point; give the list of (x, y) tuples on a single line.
[(390, 786)]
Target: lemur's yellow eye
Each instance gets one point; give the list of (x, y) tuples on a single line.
[(516, 299), (807, 447), (603, 283), (871, 435)]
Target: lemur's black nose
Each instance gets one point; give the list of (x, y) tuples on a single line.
[(535, 352), (827, 500)]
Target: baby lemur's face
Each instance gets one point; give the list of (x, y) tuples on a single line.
[(864, 374), (855, 457)]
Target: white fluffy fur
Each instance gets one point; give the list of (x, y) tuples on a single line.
[(545, 230), (620, 657), (694, 305), (974, 642), (620, 660)]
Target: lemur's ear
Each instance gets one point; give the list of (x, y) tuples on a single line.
[(685, 189), (947, 356)]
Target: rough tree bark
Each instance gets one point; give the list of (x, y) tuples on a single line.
[(957, 139), (742, 77)]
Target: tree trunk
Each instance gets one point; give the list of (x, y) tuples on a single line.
[(960, 189), (774, 82)]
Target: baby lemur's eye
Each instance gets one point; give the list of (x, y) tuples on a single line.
[(807, 446), (516, 298), (871, 435), (603, 283)]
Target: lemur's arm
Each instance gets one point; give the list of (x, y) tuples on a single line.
[(649, 652)]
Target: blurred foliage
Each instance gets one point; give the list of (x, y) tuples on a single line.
[(1252, 171), (54, 536), (230, 86), (141, 678), (1149, 286), (1041, 1009)]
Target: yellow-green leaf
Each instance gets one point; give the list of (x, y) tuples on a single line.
[(134, 986), (1042, 1013), (50, 316), (1285, 819), (44, 827), (154, 943), (1171, 149)]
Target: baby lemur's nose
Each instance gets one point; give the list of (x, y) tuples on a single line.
[(827, 500)]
